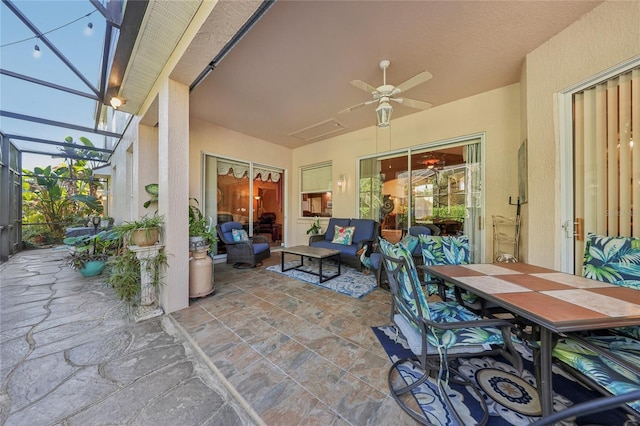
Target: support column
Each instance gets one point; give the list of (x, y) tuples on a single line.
[(5, 200), (173, 199)]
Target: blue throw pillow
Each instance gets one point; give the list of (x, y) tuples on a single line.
[(239, 235)]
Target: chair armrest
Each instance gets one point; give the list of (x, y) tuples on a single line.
[(494, 322), (368, 242), (259, 239), (317, 237)]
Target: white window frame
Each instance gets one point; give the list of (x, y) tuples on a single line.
[(303, 191)]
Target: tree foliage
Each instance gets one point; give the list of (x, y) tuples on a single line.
[(60, 195)]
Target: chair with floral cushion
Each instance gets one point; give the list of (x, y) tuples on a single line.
[(242, 250), (609, 364), (413, 242), (436, 331), (615, 260), (447, 250)]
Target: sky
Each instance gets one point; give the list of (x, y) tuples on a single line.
[(83, 48)]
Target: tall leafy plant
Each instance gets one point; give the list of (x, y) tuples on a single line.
[(44, 193), (59, 195)]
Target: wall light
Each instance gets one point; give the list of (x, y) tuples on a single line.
[(116, 102), (383, 111), (341, 182)]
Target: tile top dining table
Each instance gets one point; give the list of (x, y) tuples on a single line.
[(557, 301)]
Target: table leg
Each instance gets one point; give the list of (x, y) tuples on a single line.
[(545, 387)]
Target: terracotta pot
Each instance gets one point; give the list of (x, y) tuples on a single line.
[(145, 237)]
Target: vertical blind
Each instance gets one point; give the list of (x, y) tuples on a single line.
[(606, 162)]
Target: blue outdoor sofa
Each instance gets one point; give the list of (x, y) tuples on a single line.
[(365, 233)]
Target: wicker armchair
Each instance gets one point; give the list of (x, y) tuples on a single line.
[(243, 253)]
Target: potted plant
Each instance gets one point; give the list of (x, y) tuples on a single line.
[(89, 253), (315, 228), (200, 230), (124, 271), (143, 232), (152, 190)]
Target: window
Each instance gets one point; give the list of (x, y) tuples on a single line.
[(315, 192)]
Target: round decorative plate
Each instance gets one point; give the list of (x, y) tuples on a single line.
[(509, 391)]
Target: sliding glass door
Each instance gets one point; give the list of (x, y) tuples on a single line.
[(438, 187), (248, 193)]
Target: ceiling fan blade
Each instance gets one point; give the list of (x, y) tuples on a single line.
[(351, 108), (363, 86), (413, 81), (413, 103)]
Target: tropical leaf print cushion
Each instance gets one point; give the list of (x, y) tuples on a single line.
[(609, 375), (615, 260), (447, 250)]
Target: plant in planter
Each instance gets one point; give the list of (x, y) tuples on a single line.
[(315, 227), (199, 226), (124, 274), (145, 231), (89, 253), (152, 190), (125, 269)]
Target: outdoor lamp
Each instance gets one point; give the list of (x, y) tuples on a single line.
[(96, 222), (383, 112)]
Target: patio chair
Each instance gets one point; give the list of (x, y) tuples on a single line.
[(447, 250), (607, 364), (437, 331), (248, 252), (614, 260), (416, 231), (589, 407)]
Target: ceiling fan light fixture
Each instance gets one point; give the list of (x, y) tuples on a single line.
[(383, 111)]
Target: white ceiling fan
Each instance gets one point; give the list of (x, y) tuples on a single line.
[(387, 92)]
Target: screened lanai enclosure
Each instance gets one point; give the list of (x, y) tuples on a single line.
[(60, 75)]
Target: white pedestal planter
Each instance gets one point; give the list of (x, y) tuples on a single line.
[(148, 298)]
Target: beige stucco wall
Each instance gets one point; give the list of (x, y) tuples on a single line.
[(495, 113), (607, 36)]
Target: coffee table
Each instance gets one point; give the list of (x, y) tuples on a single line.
[(313, 253)]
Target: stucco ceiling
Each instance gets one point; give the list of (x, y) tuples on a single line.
[(292, 70)]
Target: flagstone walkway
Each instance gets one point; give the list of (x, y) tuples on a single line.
[(69, 355)]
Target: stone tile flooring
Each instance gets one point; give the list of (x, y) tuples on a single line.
[(264, 349), (297, 353), (69, 356)]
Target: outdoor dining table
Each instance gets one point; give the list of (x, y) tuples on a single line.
[(558, 302)]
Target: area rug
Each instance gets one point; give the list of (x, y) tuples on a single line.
[(350, 282), (511, 396)]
